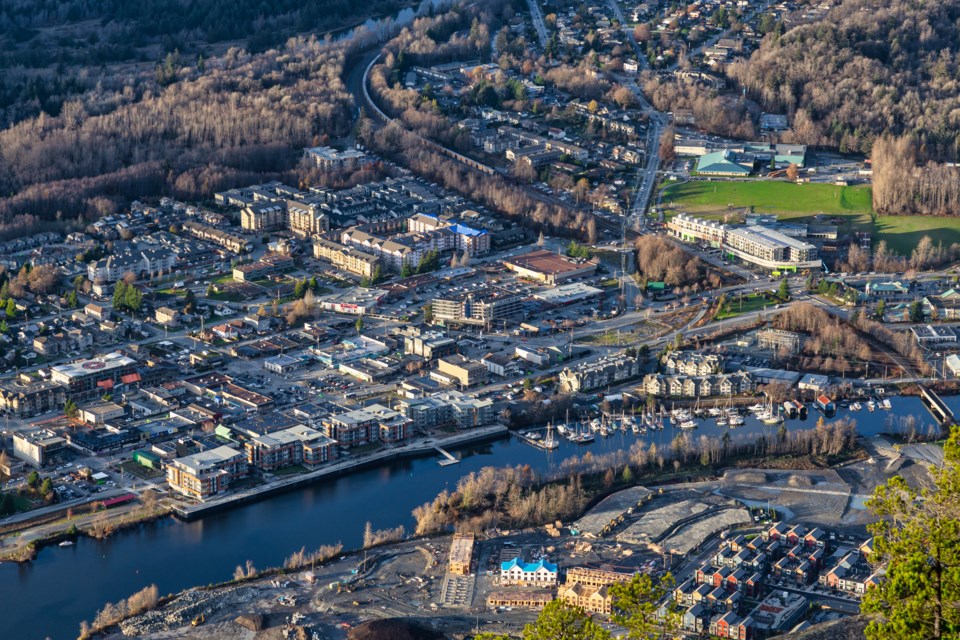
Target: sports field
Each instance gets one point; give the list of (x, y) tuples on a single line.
[(800, 202)]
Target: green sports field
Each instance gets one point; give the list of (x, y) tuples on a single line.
[(800, 202)]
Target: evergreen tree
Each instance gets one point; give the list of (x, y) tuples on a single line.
[(561, 621), (11, 308), (637, 603), (917, 541)]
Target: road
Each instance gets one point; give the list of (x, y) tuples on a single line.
[(536, 15)]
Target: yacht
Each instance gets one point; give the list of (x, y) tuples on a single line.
[(856, 406), (735, 420), (886, 404), (871, 405), (689, 423)]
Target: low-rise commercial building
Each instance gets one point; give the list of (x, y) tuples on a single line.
[(466, 372), (36, 446), (550, 268)]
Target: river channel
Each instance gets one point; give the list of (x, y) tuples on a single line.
[(49, 597)]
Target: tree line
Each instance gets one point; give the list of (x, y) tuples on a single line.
[(864, 69)]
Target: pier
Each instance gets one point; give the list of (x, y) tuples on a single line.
[(448, 457), (937, 407)]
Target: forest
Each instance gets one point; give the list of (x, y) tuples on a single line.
[(867, 67), (240, 117)]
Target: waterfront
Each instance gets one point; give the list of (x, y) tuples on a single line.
[(50, 596)]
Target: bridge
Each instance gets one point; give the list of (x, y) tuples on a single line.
[(937, 407)]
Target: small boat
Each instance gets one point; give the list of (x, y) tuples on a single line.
[(688, 424), (586, 438), (757, 408), (871, 405), (713, 412), (66, 543), (856, 406), (722, 422), (773, 418), (735, 420), (886, 404), (635, 428)]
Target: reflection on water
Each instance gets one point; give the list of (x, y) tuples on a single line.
[(50, 596)]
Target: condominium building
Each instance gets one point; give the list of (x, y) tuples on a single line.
[(330, 159), (691, 229), (348, 259), (264, 216), (528, 574), (755, 244), (450, 407), (769, 246), (603, 372), (461, 554), (85, 379), (487, 307), (306, 219), (375, 423), (295, 445), (589, 588), (208, 473)]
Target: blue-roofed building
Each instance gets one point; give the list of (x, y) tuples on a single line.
[(473, 241), (528, 574)]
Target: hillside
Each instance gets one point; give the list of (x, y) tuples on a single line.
[(868, 67), (843, 629)]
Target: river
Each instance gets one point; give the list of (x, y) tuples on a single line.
[(49, 597)]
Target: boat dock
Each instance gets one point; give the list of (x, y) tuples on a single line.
[(448, 457), (542, 444)]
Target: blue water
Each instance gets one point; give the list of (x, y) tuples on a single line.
[(50, 596)]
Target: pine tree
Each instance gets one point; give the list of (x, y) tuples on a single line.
[(917, 541)]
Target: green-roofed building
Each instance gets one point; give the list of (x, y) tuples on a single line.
[(725, 163)]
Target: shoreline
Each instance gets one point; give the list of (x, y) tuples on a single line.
[(188, 513), (420, 449)]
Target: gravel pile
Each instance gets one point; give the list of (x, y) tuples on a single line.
[(181, 611)]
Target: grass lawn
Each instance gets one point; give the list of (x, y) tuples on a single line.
[(289, 471), (750, 303), (769, 196), (800, 202)]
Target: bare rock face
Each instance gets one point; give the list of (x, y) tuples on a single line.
[(393, 629), (851, 628)]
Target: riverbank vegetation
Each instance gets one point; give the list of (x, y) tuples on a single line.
[(144, 600), (516, 497)]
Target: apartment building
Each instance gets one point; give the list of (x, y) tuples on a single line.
[(85, 379), (208, 473), (487, 307), (264, 216), (589, 588), (306, 219), (286, 447), (345, 258), (594, 375), (375, 423)]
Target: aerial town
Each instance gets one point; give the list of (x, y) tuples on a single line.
[(513, 315)]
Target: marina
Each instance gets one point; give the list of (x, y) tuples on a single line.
[(208, 548)]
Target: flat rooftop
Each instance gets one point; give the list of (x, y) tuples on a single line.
[(545, 262)]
